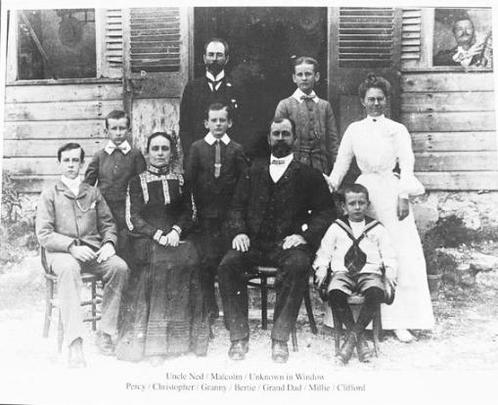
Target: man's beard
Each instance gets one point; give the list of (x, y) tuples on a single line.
[(281, 149), (215, 68)]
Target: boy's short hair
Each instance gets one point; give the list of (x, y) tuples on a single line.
[(218, 107), (70, 146), (221, 41), (279, 120), (117, 115), (308, 60), (353, 188)]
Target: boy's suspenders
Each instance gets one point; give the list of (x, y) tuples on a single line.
[(355, 258)]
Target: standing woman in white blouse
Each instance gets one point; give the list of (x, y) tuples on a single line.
[(378, 143)]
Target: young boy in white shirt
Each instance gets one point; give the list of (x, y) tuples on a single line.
[(357, 251)]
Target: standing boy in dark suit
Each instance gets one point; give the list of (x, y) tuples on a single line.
[(112, 167), (214, 167), (279, 213)]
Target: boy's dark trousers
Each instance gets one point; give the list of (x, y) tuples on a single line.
[(118, 211), (212, 247)]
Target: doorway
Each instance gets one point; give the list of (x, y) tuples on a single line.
[(263, 42)]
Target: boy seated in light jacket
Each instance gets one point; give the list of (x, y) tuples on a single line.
[(357, 251)]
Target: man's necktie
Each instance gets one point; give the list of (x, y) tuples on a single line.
[(305, 97), (214, 84), (217, 159)]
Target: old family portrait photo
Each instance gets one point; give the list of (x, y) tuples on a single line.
[(247, 200)]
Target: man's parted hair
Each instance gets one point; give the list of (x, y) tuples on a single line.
[(70, 146), (279, 120), (117, 115)]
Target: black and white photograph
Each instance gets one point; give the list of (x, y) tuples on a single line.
[(233, 202)]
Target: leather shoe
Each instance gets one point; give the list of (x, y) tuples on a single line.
[(364, 353), (76, 359), (238, 349), (347, 348), (279, 351), (104, 344)]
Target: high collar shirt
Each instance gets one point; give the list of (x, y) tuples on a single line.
[(277, 170), (215, 82), (72, 184)]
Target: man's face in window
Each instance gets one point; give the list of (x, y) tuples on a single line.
[(463, 30)]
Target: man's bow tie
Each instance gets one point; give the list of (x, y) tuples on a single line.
[(278, 161)]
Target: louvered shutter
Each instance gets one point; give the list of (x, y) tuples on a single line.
[(411, 38), (156, 50), (155, 40), (365, 37), (113, 43)]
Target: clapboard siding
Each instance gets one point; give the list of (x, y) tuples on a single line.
[(47, 147), (39, 118), (58, 93), (451, 116), (454, 141), (45, 166), (54, 130), (448, 101), (446, 121), (456, 161), (444, 81), (459, 181), (63, 110)]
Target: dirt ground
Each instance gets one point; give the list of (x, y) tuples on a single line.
[(463, 341)]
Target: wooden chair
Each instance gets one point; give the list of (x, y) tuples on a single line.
[(262, 274), (358, 300), (51, 302)]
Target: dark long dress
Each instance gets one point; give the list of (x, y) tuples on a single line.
[(166, 312)]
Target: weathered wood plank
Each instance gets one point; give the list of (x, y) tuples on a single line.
[(58, 93), (33, 184), (445, 81), (454, 141), (54, 130), (449, 121), (61, 111), (456, 161), (35, 166), (448, 101), (459, 181), (48, 147)]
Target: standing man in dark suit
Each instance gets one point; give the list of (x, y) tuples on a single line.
[(214, 87), (279, 213)]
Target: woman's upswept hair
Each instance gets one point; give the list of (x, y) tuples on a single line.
[(376, 82), (172, 143)]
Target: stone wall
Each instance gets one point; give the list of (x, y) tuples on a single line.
[(478, 210)]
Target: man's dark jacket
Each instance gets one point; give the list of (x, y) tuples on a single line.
[(197, 96), (303, 198)]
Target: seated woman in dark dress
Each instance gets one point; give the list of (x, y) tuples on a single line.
[(166, 312)]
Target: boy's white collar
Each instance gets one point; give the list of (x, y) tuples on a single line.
[(211, 139), (111, 146)]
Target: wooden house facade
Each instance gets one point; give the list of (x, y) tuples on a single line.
[(66, 69)]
